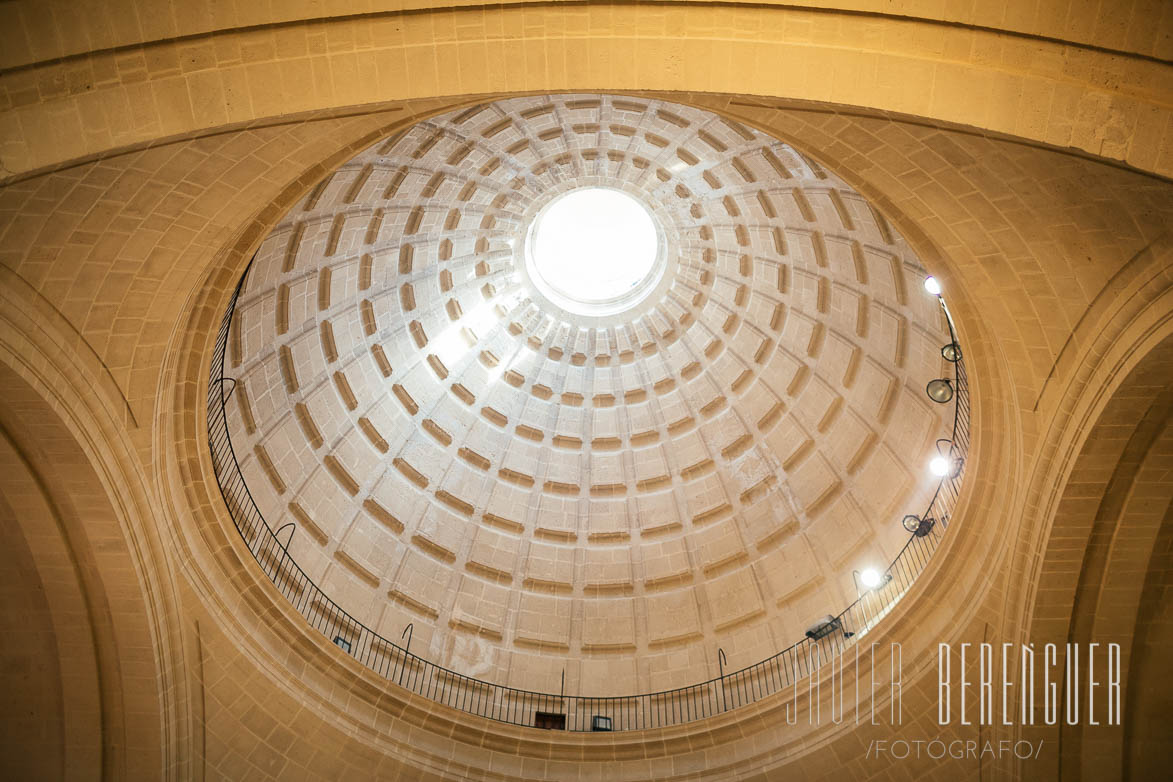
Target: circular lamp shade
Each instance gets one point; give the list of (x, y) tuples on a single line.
[(955, 468), (918, 526), (951, 352), (939, 390), (932, 286)]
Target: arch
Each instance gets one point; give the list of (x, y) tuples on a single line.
[(1148, 738), (74, 502), (175, 88), (35, 39), (1102, 538), (40, 699), (56, 513)]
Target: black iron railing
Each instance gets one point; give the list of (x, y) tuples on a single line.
[(576, 712)]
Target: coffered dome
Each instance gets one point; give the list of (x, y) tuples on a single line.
[(545, 474)]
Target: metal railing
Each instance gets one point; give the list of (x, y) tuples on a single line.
[(574, 712)]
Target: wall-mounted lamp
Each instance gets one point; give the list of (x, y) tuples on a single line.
[(823, 627), (939, 466), (932, 286), (951, 352), (940, 390), (918, 526), (945, 464), (870, 579)]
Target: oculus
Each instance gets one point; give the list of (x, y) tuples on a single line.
[(595, 251)]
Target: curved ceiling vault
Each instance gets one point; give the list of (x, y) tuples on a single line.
[(588, 498), (613, 495)]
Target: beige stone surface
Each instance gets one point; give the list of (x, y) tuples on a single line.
[(700, 407), (148, 150), (1045, 73)]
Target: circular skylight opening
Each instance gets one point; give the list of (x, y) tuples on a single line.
[(594, 250)]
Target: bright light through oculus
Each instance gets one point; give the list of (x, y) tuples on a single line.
[(594, 245), (458, 338)]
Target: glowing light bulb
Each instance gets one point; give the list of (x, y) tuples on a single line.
[(932, 286), (870, 578), (939, 466)]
